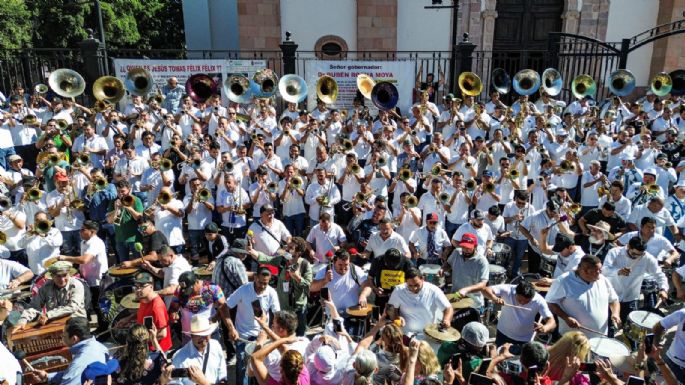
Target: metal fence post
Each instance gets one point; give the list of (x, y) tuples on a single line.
[(464, 51), (289, 49), (625, 50), (92, 56)]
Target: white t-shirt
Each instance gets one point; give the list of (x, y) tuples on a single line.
[(587, 303), (172, 272), (265, 242), (378, 246), (517, 324), (663, 218), (92, 271), (569, 263), (242, 298), (419, 310), (676, 351), (343, 288), (200, 215), (657, 245), (325, 241), (171, 225), (484, 234)]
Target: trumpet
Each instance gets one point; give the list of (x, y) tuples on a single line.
[(100, 184), (165, 164), (602, 191), (228, 166), (164, 197), (567, 166), (360, 198), (573, 209), (42, 227), (381, 161), (471, 184), (33, 194), (272, 187), (405, 174), (412, 201), (444, 197), (653, 189), (514, 174), (489, 187), (296, 183), (203, 195), (126, 201)]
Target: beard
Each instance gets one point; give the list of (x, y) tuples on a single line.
[(595, 241)]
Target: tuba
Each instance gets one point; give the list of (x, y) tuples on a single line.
[(661, 84), (327, 89), (293, 88), (385, 96), (501, 82), (526, 82), (264, 83), (470, 84), (67, 83), (365, 85), (200, 87), (108, 89), (678, 79), (582, 86), (621, 82), (552, 82), (237, 89), (138, 82)]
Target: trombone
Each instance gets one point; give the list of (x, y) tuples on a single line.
[(471, 184), (126, 201), (42, 227), (165, 164), (272, 187), (412, 201), (203, 195), (296, 183), (33, 195), (444, 197), (405, 174)]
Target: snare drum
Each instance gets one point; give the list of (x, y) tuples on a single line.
[(649, 286), (548, 263), (640, 323), (501, 254), (112, 295), (602, 347), (498, 275), (120, 333), (430, 274)]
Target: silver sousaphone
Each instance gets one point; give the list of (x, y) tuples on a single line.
[(293, 88)]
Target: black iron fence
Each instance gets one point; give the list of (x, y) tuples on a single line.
[(31, 66)]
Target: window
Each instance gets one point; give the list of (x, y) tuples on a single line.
[(331, 47)]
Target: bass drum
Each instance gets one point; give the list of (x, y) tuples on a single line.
[(118, 332), (111, 296)]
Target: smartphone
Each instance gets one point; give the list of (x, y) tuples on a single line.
[(484, 365), (588, 367), (454, 361), (375, 313), (532, 373), (257, 308), (633, 380), (649, 343), (147, 321), (337, 326), (479, 379), (179, 372), (406, 340), (101, 380), (515, 350), (325, 294)]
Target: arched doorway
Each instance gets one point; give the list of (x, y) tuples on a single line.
[(521, 29)]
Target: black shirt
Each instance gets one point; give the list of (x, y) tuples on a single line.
[(615, 221), (154, 242), (387, 277)]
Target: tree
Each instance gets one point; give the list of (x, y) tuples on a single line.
[(15, 24)]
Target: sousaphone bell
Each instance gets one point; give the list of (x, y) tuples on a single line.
[(661, 84), (470, 84), (501, 82), (109, 89), (678, 78), (138, 82), (264, 83), (385, 96), (621, 82), (67, 83), (200, 87), (526, 82), (365, 84), (552, 82), (327, 89), (583, 85), (237, 89), (293, 88)]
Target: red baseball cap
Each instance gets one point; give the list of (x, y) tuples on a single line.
[(468, 241), (352, 251), (432, 217), (61, 177)]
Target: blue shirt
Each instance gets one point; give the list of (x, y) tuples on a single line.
[(99, 202), (83, 353), (172, 97)]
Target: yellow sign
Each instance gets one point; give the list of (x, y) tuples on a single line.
[(391, 278)]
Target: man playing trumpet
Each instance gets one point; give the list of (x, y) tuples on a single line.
[(124, 213), (198, 206), (63, 206)]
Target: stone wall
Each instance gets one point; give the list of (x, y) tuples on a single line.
[(259, 24), (376, 25)]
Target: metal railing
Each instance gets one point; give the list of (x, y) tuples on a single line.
[(31, 66)]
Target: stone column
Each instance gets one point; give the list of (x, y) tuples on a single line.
[(571, 19)]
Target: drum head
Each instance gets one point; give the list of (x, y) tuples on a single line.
[(644, 319), (500, 247), (495, 269), (120, 333), (203, 272), (462, 303), (608, 347), (430, 269), (117, 271)]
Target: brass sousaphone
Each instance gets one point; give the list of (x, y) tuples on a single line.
[(621, 82), (661, 84), (327, 89), (526, 82), (264, 83), (552, 82), (385, 96), (138, 82), (200, 87), (293, 88), (501, 82), (678, 78), (365, 84), (109, 89), (470, 84), (67, 83), (237, 89), (582, 86)]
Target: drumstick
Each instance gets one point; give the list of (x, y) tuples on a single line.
[(28, 365), (516, 307), (591, 330)]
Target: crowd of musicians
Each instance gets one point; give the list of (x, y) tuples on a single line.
[(464, 240)]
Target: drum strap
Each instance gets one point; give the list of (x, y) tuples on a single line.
[(280, 243)]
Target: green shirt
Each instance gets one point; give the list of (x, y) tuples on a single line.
[(49, 175), (292, 295), (127, 231)]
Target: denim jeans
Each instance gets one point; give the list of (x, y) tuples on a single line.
[(295, 224), (197, 242), (4, 153), (71, 243), (240, 369), (106, 233), (678, 371), (518, 248), (124, 250), (451, 228), (301, 321), (502, 339)]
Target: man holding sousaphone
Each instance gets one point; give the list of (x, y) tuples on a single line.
[(124, 213)]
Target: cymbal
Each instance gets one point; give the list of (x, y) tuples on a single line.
[(435, 331), (459, 302), (130, 302), (358, 311), (540, 287), (118, 271), (202, 271), (48, 262)]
